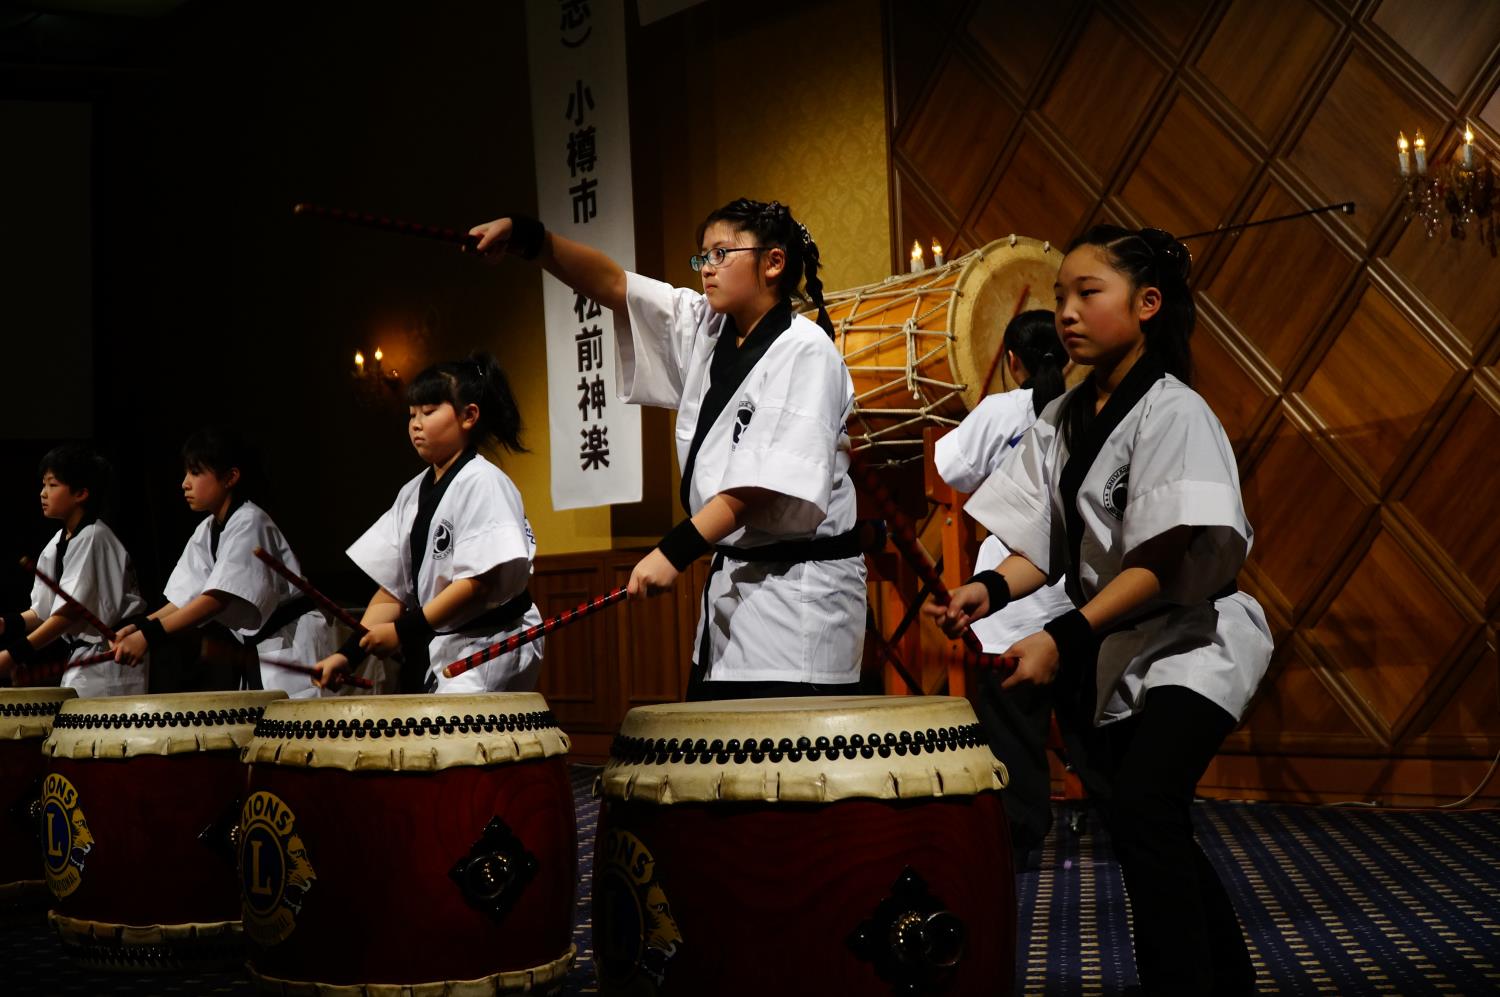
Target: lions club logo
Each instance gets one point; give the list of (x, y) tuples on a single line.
[(66, 835), (442, 539), (275, 873), (635, 935), (1116, 490), (742, 419)]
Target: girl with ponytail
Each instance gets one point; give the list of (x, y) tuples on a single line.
[(761, 395), (453, 556), (1126, 490)]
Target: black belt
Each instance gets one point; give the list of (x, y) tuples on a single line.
[(283, 614), (499, 618), (798, 551), (416, 661)]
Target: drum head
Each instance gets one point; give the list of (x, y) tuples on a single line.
[(1003, 279), (808, 750), (27, 713), (168, 724)]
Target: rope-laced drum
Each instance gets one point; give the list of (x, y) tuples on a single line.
[(821, 846), (400, 844), (924, 348), (25, 721), (138, 805)]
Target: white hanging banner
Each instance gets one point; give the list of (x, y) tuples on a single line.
[(580, 120)]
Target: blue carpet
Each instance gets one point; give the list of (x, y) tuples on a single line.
[(1345, 902)]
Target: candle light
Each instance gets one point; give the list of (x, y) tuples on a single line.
[(1419, 145), (917, 264), (1468, 151), (359, 362), (1401, 154), (379, 356), (937, 254)]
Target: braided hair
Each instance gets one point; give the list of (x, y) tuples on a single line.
[(773, 227), (1147, 258), (475, 380), (1032, 337)]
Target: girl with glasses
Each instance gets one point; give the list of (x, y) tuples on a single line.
[(761, 395)]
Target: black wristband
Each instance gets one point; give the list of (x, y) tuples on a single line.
[(412, 629), (15, 624), (22, 652), (154, 632), (527, 235), (683, 545), (995, 584), (1074, 637), (352, 651)]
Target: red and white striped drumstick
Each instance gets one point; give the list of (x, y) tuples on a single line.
[(30, 674), (463, 239), (905, 538), (530, 634), (83, 610), (328, 605)]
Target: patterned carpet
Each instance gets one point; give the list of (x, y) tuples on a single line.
[(1345, 902)]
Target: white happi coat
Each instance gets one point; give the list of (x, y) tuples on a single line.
[(96, 571), (1168, 463), (256, 591), (783, 431), (965, 457), (478, 526)]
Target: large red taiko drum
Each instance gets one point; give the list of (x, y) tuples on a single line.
[(25, 721), (409, 841), (811, 846), (138, 807)]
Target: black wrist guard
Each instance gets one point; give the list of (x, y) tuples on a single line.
[(995, 584), (21, 650), (154, 632), (683, 545), (15, 626), (527, 235), (1074, 637), (412, 630), (351, 649)]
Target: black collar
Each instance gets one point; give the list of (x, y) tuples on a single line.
[(1133, 387), (216, 528), (65, 539), (730, 365), (429, 494)]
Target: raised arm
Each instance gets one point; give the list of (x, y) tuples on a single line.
[(583, 268)]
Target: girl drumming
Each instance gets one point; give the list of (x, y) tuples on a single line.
[(1127, 489), (89, 563), (247, 614), (1016, 721), (761, 395), (453, 556)]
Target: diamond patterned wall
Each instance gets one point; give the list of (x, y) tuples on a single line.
[(1352, 360)]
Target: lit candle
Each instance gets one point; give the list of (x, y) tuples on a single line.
[(379, 356), (1401, 154), (359, 362), (1468, 150), (1419, 145), (937, 254), (917, 265)]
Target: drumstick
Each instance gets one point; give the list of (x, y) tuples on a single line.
[(354, 680), (467, 242), (83, 610), (530, 634), (28, 674), (905, 539), (326, 604)]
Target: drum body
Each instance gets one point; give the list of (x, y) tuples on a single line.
[(837, 845), (138, 806), (924, 348), (392, 841), (25, 721)]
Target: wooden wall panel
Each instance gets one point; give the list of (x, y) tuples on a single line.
[(1354, 362), (958, 134)]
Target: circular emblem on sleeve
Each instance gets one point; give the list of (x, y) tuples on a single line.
[(1116, 490), (742, 418), (275, 872), (635, 935), (442, 539), (65, 834)]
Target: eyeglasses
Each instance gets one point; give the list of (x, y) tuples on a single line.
[(715, 257)]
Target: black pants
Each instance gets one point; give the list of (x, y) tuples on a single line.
[(1187, 938)]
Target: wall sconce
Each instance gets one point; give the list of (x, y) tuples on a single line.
[(1460, 191), (372, 376)]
